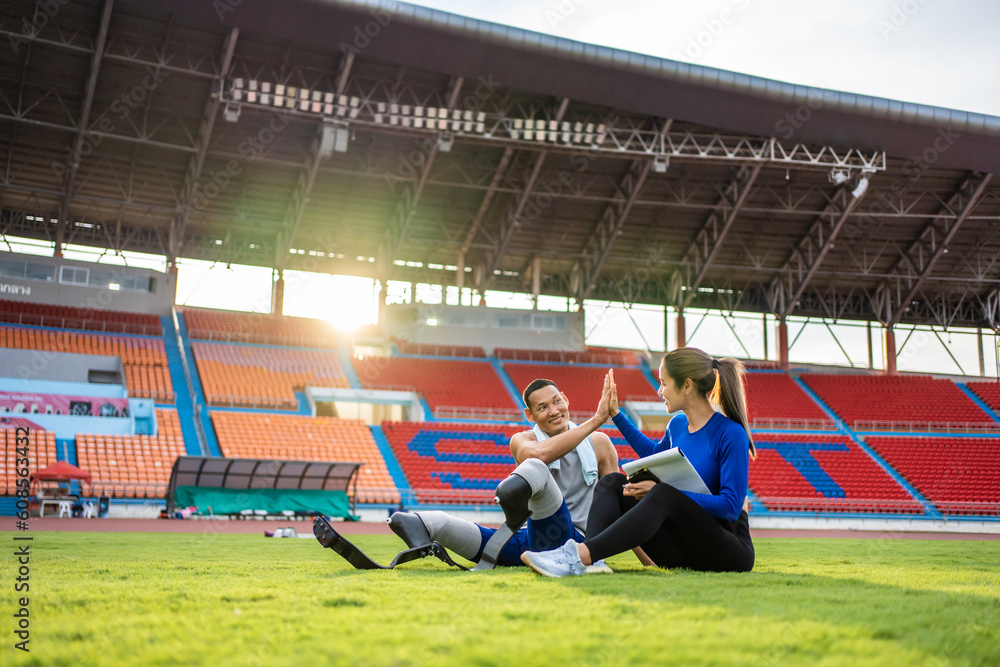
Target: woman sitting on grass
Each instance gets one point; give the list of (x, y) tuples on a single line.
[(708, 532)]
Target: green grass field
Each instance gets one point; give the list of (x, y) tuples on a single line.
[(185, 599)]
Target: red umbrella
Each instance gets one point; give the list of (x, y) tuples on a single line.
[(61, 471)]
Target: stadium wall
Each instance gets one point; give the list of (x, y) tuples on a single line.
[(488, 327), (61, 366), (44, 281)]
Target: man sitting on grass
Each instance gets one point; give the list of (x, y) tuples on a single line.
[(545, 500)]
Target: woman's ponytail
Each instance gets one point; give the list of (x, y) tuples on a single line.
[(725, 389)]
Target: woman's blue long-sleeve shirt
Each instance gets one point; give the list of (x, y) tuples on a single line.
[(719, 451)]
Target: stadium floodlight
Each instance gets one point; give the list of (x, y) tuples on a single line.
[(253, 84), (860, 188), (238, 83), (252, 96), (838, 176), (265, 86), (335, 138), (445, 142), (660, 163), (417, 111), (231, 112)]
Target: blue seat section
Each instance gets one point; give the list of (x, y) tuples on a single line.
[(799, 455), (457, 482), (425, 444)]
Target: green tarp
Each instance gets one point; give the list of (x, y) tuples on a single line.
[(233, 501)]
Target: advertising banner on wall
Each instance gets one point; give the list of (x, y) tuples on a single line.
[(60, 404)]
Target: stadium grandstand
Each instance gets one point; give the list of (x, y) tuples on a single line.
[(435, 156)]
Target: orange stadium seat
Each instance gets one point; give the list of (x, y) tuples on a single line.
[(147, 373), (300, 438), (258, 328), (133, 466), (263, 377), (41, 454)]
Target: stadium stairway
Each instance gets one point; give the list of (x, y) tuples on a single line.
[(66, 450), (508, 384), (841, 426), (300, 398), (406, 496), (928, 505), (173, 338), (428, 413), (182, 391), (756, 506), (344, 355), (978, 401)]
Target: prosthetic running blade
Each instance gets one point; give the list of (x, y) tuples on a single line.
[(331, 539), (512, 496)]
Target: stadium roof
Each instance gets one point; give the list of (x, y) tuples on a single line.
[(299, 136)]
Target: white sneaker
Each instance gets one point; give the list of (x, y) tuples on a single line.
[(561, 562), (599, 567)]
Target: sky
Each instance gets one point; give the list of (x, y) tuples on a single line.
[(937, 52)]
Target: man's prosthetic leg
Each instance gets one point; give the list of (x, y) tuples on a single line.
[(529, 491), (331, 539)]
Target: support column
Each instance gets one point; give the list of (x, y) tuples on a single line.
[(278, 294), (172, 280), (536, 279), (666, 330), (982, 357), (764, 318), (890, 350), (681, 334), (871, 356), (782, 344), (381, 289)]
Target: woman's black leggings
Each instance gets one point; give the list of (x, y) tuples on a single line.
[(672, 529)]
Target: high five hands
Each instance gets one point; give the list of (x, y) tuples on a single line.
[(608, 407)]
